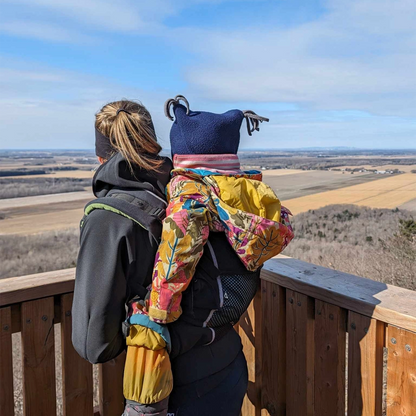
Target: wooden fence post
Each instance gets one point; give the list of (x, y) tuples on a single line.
[(300, 354), (250, 330), (38, 355)]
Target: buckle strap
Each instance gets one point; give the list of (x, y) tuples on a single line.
[(141, 204)]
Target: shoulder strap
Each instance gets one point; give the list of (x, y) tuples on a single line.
[(141, 206)]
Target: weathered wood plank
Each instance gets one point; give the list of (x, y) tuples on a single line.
[(330, 343), (77, 381), (111, 386), (300, 354), (24, 288), (401, 372), (6, 363), (365, 365), (17, 317), (274, 349), (38, 358), (386, 303), (250, 327)]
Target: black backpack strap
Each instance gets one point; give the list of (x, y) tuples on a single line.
[(141, 206)]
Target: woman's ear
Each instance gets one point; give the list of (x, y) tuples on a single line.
[(101, 159)]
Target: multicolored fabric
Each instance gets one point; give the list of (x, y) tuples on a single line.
[(147, 375), (147, 371), (203, 201)]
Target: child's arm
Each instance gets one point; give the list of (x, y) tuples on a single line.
[(185, 232)]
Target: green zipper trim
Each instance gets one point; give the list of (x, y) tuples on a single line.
[(98, 205)]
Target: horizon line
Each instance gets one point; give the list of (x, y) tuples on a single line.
[(311, 148)]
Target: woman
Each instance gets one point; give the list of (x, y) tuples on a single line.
[(115, 264)]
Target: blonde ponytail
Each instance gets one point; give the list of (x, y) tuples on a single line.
[(130, 129)]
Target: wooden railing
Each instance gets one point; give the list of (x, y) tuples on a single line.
[(31, 305), (317, 342), (324, 343)]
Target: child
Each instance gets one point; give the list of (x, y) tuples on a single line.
[(208, 192)]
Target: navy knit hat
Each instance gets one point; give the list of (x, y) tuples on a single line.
[(201, 132)]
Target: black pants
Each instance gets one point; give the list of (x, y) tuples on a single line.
[(220, 394)]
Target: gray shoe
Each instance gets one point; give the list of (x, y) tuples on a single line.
[(156, 409)]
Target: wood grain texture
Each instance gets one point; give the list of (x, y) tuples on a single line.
[(111, 386), (250, 327), (300, 354), (386, 303), (38, 358), (6, 363), (77, 381), (274, 349), (365, 365), (35, 286), (401, 372), (330, 345)]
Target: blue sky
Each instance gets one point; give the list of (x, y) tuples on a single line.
[(326, 73)]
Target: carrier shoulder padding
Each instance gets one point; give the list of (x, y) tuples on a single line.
[(141, 206)]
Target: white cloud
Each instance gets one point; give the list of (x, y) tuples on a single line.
[(294, 129), (122, 15), (70, 20), (360, 55), (46, 108), (42, 31)]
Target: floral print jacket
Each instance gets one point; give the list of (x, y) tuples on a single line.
[(203, 201)]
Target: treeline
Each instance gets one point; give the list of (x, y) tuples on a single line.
[(376, 243), (29, 172), (15, 188), (305, 161)]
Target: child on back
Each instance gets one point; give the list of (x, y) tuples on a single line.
[(208, 192)]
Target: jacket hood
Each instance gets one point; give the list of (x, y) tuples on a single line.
[(115, 173)]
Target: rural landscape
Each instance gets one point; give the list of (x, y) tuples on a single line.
[(343, 201), (353, 211), (318, 96)]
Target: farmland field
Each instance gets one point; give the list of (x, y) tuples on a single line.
[(31, 219), (312, 181), (32, 201), (410, 205), (386, 192), (299, 189), (403, 168)]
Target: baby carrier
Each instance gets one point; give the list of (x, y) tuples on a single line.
[(143, 207)]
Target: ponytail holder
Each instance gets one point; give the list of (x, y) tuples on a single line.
[(123, 110)]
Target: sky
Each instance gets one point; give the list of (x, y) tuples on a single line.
[(326, 73)]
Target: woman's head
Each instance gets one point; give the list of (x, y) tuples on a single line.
[(129, 128)]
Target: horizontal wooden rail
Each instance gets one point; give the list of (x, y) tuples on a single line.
[(315, 338), (31, 306), (391, 304), (23, 288), (318, 342)]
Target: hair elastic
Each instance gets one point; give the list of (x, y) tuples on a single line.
[(123, 110)]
